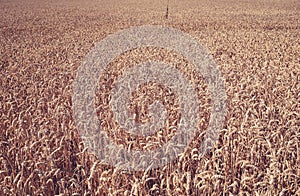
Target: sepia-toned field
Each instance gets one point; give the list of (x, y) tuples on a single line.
[(255, 45)]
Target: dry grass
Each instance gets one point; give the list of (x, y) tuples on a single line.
[(255, 44)]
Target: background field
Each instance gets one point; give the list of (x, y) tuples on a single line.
[(255, 44)]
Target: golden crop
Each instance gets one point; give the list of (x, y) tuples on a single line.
[(254, 43)]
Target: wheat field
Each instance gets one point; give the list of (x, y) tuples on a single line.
[(255, 45)]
